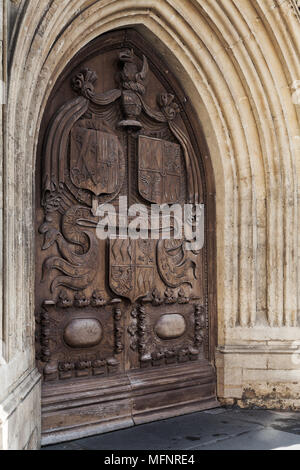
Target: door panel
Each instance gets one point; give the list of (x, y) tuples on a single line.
[(123, 311)]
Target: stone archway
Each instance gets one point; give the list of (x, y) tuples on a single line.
[(238, 63)]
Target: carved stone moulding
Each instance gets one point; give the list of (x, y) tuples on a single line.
[(79, 341)]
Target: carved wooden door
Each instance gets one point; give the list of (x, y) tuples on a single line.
[(132, 317)]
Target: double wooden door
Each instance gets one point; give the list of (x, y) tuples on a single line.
[(125, 325)]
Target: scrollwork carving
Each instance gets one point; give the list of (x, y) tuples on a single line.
[(176, 265), (168, 106), (84, 81), (78, 269)]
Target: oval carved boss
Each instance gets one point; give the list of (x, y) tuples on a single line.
[(170, 326), (83, 333)]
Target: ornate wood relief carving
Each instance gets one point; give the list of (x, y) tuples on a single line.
[(132, 267), (176, 265), (131, 141), (95, 160), (77, 266), (174, 334), (133, 83), (160, 170), (200, 325), (79, 338), (119, 331)]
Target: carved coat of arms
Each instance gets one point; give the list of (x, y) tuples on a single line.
[(94, 160), (132, 267), (160, 170)]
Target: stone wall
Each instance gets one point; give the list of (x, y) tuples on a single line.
[(239, 63)]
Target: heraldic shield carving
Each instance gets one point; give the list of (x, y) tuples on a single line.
[(132, 267), (160, 170), (94, 160)]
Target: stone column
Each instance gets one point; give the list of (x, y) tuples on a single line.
[(19, 380)]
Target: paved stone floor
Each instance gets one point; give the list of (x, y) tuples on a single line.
[(218, 429)]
